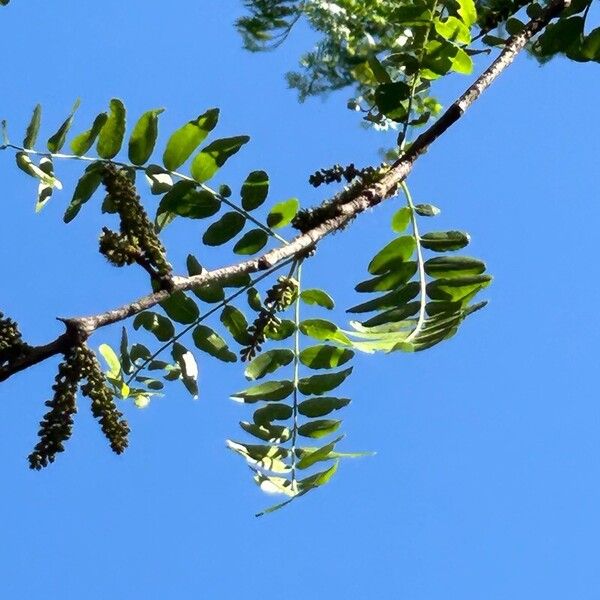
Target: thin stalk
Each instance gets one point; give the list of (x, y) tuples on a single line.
[(296, 375), (199, 320), (420, 263)]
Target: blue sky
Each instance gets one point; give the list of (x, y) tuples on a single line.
[(486, 478)]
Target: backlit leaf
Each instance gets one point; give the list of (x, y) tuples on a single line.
[(112, 132), (325, 357), (283, 213), (214, 156), (187, 138), (57, 141), (318, 297), (143, 137), (81, 143)]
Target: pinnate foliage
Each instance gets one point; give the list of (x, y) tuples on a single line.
[(419, 288)]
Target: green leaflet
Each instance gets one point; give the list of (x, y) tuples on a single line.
[(112, 360), (251, 242), (209, 341), (81, 143), (272, 412), (157, 324), (126, 364), (324, 356), (159, 180), (467, 12), (110, 137), (318, 297), (210, 292), (187, 138), (321, 406), (268, 362), (319, 429), (285, 330), (319, 384), (282, 213), (213, 157), (271, 391), (453, 30), (143, 137), (318, 479), (392, 299), (323, 330), (401, 219), (181, 308), (445, 241), (453, 266), (427, 210), (308, 459), (255, 190), (275, 434), (394, 315), (184, 199), (457, 288), (236, 323), (266, 457), (84, 190), (397, 251), (189, 369), (57, 141), (33, 128), (389, 98), (389, 281), (223, 230)]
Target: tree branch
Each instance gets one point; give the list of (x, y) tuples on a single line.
[(80, 328)]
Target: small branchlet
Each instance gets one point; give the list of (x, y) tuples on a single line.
[(280, 297), (137, 241), (11, 343)]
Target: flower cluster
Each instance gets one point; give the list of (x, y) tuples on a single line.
[(11, 342), (137, 240), (278, 298), (79, 363)]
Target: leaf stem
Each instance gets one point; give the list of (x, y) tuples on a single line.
[(420, 263), (296, 374)]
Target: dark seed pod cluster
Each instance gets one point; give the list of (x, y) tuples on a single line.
[(358, 180), (137, 241), (57, 424), (283, 294), (280, 297), (79, 364), (333, 174), (11, 342), (114, 427)]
